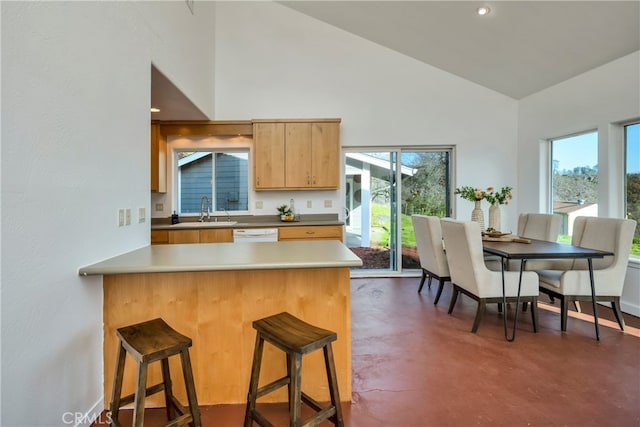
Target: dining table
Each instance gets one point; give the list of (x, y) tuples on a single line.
[(524, 249)]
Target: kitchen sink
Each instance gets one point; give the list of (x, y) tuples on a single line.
[(210, 224)]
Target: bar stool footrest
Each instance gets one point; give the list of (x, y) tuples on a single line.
[(272, 386), (323, 414), (258, 418)]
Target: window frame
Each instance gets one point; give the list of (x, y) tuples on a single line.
[(207, 143)]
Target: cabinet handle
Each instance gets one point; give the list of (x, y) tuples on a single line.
[(308, 180), (311, 232)]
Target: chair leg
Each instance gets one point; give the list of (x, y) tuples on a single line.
[(295, 394), (168, 389), (454, 297), (189, 384), (141, 393), (524, 306), (564, 308), (576, 305), (117, 382), (479, 314), (333, 385), (424, 277), (615, 306), (499, 307), (253, 382), (534, 313), (440, 286)]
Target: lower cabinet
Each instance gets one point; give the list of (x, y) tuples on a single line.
[(311, 232), (221, 235), (217, 235)]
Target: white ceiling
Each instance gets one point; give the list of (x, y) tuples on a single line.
[(520, 48)]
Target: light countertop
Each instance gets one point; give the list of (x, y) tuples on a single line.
[(228, 256)]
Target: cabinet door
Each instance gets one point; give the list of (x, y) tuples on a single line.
[(216, 235), (184, 236), (159, 237), (325, 158), (298, 155), (323, 232), (158, 160), (268, 156)]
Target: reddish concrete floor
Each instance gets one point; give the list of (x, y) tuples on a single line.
[(416, 365)]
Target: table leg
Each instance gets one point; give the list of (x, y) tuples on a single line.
[(504, 302), (593, 298)]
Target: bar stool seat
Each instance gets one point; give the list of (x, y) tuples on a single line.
[(296, 338), (149, 342)]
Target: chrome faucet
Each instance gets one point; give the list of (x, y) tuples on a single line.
[(202, 205), (228, 216)]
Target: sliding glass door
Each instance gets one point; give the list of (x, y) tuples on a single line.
[(383, 189)]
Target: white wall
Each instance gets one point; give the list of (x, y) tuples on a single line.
[(598, 99), (75, 148), (272, 61)]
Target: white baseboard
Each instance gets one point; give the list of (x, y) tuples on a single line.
[(91, 415), (630, 308)]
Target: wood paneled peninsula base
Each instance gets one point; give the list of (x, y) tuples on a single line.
[(213, 292)]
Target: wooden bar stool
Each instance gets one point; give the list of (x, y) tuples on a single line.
[(149, 342), (295, 338)]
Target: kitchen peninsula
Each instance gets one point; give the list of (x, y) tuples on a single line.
[(213, 292)]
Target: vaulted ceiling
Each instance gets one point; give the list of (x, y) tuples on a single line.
[(519, 48)]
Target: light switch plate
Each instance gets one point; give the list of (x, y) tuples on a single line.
[(141, 215), (309, 204), (127, 216), (259, 204), (120, 217), (159, 207), (328, 203)]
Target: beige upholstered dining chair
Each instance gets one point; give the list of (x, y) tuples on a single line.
[(568, 280), (470, 275), (540, 227), (433, 260)]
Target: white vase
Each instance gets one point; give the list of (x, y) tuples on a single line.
[(494, 217), (477, 215)]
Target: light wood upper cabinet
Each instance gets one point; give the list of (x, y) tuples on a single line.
[(297, 154), (268, 155), (158, 159), (325, 159)]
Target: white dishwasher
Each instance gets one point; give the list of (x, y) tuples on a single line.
[(255, 234)]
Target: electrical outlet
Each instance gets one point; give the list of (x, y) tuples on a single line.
[(120, 217), (328, 203), (159, 207), (141, 215), (309, 204), (127, 216), (259, 204)]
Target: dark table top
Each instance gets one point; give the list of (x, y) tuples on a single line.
[(540, 249)]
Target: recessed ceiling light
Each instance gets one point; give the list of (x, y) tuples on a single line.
[(155, 110), (483, 10)]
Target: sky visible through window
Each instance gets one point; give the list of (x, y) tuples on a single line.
[(576, 151), (582, 150)]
